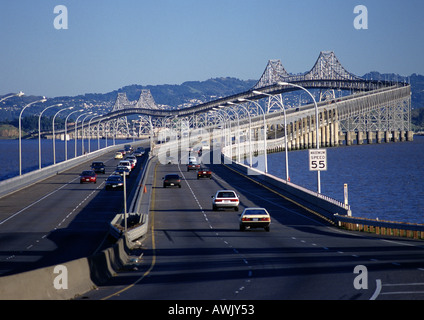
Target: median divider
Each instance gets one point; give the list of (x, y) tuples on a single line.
[(67, 280), (137, 217)]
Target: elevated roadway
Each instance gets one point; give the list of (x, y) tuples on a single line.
[(195, 253), (58, 219)]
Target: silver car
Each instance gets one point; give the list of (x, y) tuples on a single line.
[(255, 218), (225, 199)]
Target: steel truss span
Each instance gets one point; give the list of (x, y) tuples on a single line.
[(391, 110)]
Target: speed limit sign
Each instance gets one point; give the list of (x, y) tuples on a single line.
[(317, 159)]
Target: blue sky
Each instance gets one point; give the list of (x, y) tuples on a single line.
[(110, 44)]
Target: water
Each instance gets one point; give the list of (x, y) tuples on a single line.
[(9, 153), (385, 181)]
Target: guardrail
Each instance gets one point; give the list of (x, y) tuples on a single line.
[(137, 215), (381, 227)]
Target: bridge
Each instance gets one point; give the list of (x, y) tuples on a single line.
[(187, 246), (365, 110)]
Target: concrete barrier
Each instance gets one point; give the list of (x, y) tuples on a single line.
[(67, 280), (381, 227)]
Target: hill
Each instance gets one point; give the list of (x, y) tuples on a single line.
[(184, 95)]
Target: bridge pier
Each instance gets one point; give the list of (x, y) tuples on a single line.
[(370, 137), (387, 137), (395, 135), (360, 138)]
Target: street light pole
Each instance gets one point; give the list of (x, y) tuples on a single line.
[(316, 122), (76, 133), (265, 131), (54, 140), (66, 132), (250, 131), (39, 132), (285, 134), (19, 94), (20, 131)]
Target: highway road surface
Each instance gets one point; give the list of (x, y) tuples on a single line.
[(194, 253), (58, 219)]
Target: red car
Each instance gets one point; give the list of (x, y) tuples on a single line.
[(204, 173), (88, 176)]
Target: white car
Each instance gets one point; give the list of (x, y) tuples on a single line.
[(125, 163), (131, 158), (255, 218), (205, 145), (225, 199)]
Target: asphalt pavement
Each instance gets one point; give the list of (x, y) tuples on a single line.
[(194, 253)]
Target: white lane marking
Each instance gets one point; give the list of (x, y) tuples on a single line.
[(39, 200), (377, 290)]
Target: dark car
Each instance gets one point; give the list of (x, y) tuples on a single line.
[(98, 167), (121, 170), (139, 152), (114, 182), (88, 176), (172, 180), (193, 166)]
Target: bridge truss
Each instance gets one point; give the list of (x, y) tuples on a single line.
[(121, 124), (386, 108)]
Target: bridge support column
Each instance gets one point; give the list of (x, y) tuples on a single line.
[(310, 135), (379, 136), (387, 136), (410, 136), (314, 133), (360, 138), (395, 135), (336, 134), (289, 135), (349, 138), (370, 137), (296, 135), (305, 133), (327, 135)]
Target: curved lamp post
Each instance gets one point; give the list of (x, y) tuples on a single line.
[(19, 94), (20, 131), (66, 132), (265, 130), (76, 132), (285, 133), (54, 140), (39, 132), (316, 121)]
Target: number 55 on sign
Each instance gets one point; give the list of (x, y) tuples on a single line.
[(317, 160)]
